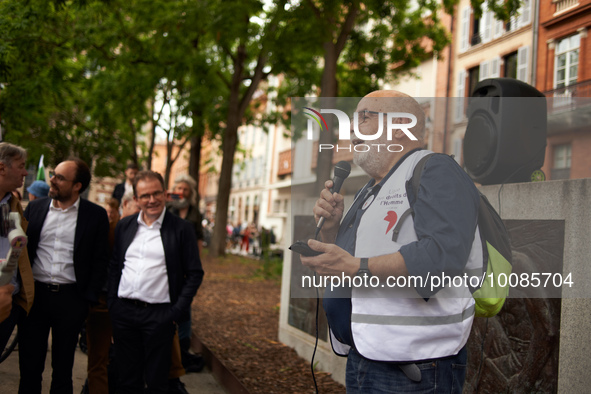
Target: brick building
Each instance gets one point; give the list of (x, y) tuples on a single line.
[(564, 57)]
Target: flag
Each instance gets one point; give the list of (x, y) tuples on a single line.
[(41, 170)]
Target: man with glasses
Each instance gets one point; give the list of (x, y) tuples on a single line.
[(154, 274), (410, 338), (68, 248)]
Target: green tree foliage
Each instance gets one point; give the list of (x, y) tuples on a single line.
[(347, 48), (82, 77), (46, 96)]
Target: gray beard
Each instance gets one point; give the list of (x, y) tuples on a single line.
[(180, 204), (372, 163)]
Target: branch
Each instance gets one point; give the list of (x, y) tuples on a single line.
[(258, 73), (347, 28), (165, 101), (105, 53), (315, 9), (181, 146), (224, 79), (229, 53)]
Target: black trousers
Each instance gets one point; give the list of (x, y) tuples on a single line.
[(63, 310), (7, 326), (142, 336)]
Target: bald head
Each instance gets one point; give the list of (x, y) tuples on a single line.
[(385, 148), (394, 101)]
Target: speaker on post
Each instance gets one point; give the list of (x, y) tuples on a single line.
[(505, 140)]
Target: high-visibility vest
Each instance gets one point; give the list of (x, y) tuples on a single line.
[(396, 324)]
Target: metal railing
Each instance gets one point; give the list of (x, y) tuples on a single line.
[(562, 5), (565, 98)]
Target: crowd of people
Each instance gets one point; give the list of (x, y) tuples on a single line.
[(129, 270), (248, 240)]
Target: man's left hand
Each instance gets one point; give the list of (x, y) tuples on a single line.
[(333, 261)]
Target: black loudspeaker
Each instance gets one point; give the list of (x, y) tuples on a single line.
[(505, 140)]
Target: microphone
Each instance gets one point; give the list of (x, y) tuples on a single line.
[(341, 172)]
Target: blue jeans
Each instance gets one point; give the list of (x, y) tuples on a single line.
[(444, 375)]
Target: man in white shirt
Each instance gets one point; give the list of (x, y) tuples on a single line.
[(68, 249), (155, 273)]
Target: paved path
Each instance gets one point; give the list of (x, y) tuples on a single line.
[(202, 383)]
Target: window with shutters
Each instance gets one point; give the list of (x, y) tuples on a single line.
[(483, 72), (475, 38), (232, 209), (465, 29), (490, 69), (473, 78), (523, 64), (460, 94), (562, 162), (566, 69), (276, 206), (495, 67), (566, 65), (510, 65), (498, 28), (522, 17), (486, 28)]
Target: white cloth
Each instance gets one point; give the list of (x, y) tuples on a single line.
[(144, 276), (128, 188), (54, 262)]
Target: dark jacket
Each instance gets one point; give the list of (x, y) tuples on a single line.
[(119, 191), (91, 247), (193, 216), (182, 260)]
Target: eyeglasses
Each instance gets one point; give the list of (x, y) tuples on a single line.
[(146, 197), (59, 177), (363, 115)]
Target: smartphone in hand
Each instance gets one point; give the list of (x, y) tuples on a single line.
[(302, 248)]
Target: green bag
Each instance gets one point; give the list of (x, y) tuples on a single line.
[(496, 252)]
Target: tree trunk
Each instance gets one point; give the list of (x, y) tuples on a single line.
[(333, 47), (195, 158), (329, 88), (230, 140), (133, 130), (152, 137), (167, 172), (236, 109)]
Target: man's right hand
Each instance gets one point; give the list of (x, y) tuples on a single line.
[(5, 301), (330, 206)]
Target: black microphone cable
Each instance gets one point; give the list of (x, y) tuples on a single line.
[(341, 172)]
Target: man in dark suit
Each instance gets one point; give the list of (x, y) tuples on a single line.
[(154, 274), (127, 184), (68, 249)]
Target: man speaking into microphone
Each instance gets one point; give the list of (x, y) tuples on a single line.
[(398, 339)]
